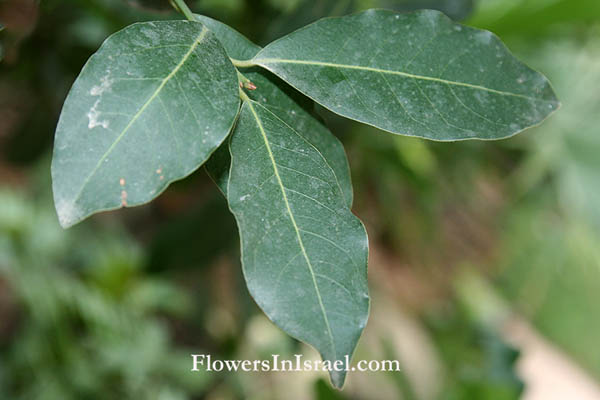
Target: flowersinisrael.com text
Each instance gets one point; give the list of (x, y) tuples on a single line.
[(204, 362)]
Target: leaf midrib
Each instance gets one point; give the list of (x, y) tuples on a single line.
[(184, 59), (292, 218), (265, 61)]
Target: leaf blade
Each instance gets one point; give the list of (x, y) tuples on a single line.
[(236, 45), (417, 74), (293, 112), (298, 112), (283, 101), (149, 122), (297, 235)]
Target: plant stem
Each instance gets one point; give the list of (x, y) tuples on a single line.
[(242, 64), (241, 77), (184, 9), (244, 96)]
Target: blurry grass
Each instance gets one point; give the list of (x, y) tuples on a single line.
[(81, 319)]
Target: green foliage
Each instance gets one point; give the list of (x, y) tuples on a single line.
[(416, 74), (480, 365), (550, 253), (570, 151), (287, 104), (513, 17), (304, 252), (91, 334), (523, 212), (158, 98)]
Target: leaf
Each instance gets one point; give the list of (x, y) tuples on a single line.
[(292, 107), (296, 277), (304, 253), (236, 45), (417, 74), (298, 111), (147, 109), (217, 167)]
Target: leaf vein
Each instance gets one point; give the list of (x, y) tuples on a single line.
[(293, 220), (266, 61), (196, 42)]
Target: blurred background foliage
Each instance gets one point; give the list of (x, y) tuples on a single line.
[(472, 243)]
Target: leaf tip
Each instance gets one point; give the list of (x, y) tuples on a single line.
[(68, 213), (338, 379)]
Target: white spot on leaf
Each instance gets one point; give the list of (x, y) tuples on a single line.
[(68, 212), (93, 116), (105, 85)]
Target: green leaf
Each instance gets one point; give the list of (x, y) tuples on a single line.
[(147, 109), (282, 100), (236, 45), (217, 167), (298, 111), (417, 74), (304, 253), (312, 285)]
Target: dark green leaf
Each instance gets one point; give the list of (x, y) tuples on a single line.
[(147, 109), (297, 111), (300, 279), (416, 74), (217, 167), (304, 253), (236, 45), (289, 105)]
